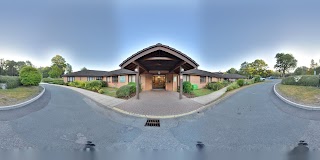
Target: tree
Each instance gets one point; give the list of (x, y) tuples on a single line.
[(285, 62), (20, 65), (30, 76), (84, 69), (55, 72), (301, 70), (10, 67), (259, 67), (45, 71), (28, 63), (2, 67), (232, 71), (59, 61), (68, 68)]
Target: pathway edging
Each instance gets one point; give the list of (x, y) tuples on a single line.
[(3, 108), (293, 103)]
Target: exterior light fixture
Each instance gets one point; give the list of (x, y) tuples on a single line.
[(182, 70), (158, 72), (136, 70)]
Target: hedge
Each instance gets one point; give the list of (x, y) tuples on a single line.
[(215, 86), (187, 87), (233, 86), (10, 81), (306, 80), (125, 91), (30, 76), (240, 82), (93, 85)]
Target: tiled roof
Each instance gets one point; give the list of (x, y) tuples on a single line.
[(202, 73), (94, 73), (233, 76), (159, 45), (86, 73)]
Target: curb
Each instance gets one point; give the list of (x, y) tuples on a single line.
[(4, 108), (293, 103)]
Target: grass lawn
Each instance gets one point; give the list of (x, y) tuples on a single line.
[(301, 94), (18, 95), (110, 91), (202, 92)]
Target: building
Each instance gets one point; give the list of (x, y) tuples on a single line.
[(155, 67)]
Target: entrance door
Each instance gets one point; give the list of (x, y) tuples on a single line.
[(158, 82)]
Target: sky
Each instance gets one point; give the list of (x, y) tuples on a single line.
[(217, 34)]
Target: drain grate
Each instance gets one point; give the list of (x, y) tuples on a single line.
[(153, 123)]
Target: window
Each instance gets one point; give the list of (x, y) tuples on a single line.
[(186, 78), (114, 79), (70, 79), (209, 79), (122, 79), (202, 79), (90, 78), (109, 79), (132, 78), (98, 78)]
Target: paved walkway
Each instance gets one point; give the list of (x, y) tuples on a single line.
[(204, 100), (159, 103), (105, 100)]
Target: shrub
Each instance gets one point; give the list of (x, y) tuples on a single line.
[(215, 86), (47, 80), (101, 91), (257, 79), (233, 86), (104, 83), (30, 76), (249, 82), (240, 82), (306, 80), (134, 85), (125, 91), (58, 81), (93, 85), (187, 87), (10, 81)]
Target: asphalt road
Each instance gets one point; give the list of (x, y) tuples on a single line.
[(251, 119)]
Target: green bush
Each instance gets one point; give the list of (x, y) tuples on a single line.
[(93, 85), (187, 87), (257, 79), (249, 82), (125, 91), (101, 91), (233, 86), (47, 80), (30, 76), (10, 81), (58, 81), (104, 83), (306, 80), (215, 86), (240, 82)]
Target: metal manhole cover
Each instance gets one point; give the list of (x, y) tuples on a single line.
[(153, 123)]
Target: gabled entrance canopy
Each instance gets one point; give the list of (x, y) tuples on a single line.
[(159, 58)]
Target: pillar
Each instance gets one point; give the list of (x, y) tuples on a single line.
[(181, 83), (137, 82)]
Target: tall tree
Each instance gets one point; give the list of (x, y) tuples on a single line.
[(285, 62), (68, 68), (59, 61), (55, 72), (301, 70), (2, 66), (84, 69), (28, 63), (260, 67), (232, 71), (11, 68), (45, 71), (20, 65)]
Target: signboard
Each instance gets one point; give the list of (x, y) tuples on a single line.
[(122, 79)]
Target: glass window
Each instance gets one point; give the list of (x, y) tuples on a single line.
[(109, 79), (98, 78), (70, 79), (202, 79), (90, 78), (186, 78), (114, 79), (132, 78)]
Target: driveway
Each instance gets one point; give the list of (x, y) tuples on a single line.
[(251, 119)]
